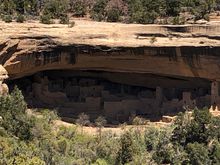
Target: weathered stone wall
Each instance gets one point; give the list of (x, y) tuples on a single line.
[(176, 63), (188, 62)]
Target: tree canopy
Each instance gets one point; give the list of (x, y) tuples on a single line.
[(135, 11)]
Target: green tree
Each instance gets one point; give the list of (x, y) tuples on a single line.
[(173, 7), (198, 130), (182, 125), (98, 12), (198, 154), (144, 11), (126, 148), (165, 151), (115, 9), (215, 153), (14, 117), (56, 8), (79, 7), (7, 7), (201, 8), (193, 128), (136, 11), (151, 139)]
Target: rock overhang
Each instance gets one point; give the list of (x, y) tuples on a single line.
[(163, 59), (187, 47)]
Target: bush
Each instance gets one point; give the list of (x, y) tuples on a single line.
[(100, 162), (115, 9), (100, 122), (14, 118), (83, 120), (198, 153), (98, 10), (145, 12), (178, 20), (206, 17), (55, 8), (64, 19), (46, 19), (139, 121), (7, 18), (108, 147), (78, 7), (113, 15), (198, 130), (126, 149), (172, 7), (151, 139), (164, 152), (20, 18), (195, 128)]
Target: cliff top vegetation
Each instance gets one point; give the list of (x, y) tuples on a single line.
[(126, 11)]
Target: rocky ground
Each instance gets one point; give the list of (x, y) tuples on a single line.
[(112, 34), (118, 130)]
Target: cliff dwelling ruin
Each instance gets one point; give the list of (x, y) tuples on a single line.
[(120, 75), (117, 94)]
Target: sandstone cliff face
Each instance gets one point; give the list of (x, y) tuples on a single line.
[(178, 51), (157, 69)]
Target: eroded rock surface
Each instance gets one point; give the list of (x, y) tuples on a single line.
[(180, 64), (188, 50)]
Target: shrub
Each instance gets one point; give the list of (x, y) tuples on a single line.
[(206, 17), (172, 7), (46, 19), (215, 152), (100, 162), (64, 19), (20, 18), (151, 138), (164, 152), (7, 18), (198, 131), (83, 120), (98, 12), (78, 7), (201, 9), (139, 121), (14, 118), (63, 146), (108, 147), (182, 125), (100, 122), (113, 15), (176, 21), (198, 153), (195, 128), (55, 8), (126, 149), (145, 12), (115, 9)]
